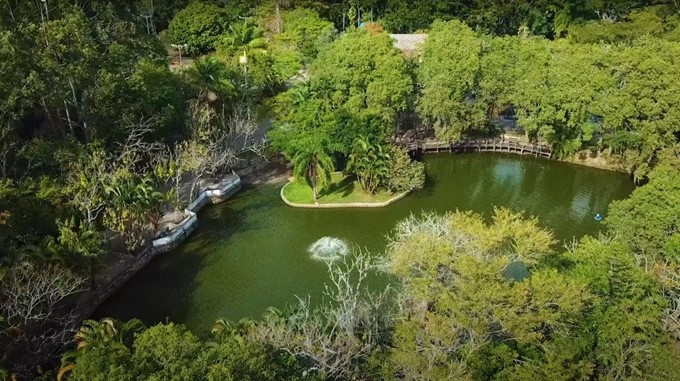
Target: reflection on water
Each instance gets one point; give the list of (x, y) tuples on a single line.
[(252, 251)]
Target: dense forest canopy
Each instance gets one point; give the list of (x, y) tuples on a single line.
[(615, 97), (103, 131)]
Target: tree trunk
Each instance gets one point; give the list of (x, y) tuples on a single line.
[(312, 177), (279, 22), (90, 271)]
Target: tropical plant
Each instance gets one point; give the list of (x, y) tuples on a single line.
[(370, 163), (245, 40), (212, 77), (314, 164), (93, 334), (80, 244), (133, 203), (107, 330)]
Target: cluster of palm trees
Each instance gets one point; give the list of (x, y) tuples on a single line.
[(369, 162), (106, 332)]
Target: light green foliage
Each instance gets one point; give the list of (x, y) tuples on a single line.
[(460, 311), (364, 75), (650, 216), (659, 21), (449, 75), (301, 116), (199, 25), (103, 363), (168, 352), (627, 311), (597, 316), (306, 31), (614, 99), (303, 34)]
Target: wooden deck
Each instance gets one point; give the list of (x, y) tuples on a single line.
[(479, 145)]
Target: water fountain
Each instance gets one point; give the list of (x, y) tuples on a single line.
[(329, 249)]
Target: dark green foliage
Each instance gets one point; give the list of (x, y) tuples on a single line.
[(199, 25)]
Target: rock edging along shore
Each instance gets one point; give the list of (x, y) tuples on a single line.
[(213, 194), (342, 205)]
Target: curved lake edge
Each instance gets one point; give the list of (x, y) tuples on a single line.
[(336, 205), (252, 251)]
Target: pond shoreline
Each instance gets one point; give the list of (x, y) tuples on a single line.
[(253, 251)]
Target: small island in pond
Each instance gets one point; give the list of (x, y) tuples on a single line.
[(342, 191)]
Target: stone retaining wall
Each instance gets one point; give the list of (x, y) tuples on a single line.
[(213, 194)]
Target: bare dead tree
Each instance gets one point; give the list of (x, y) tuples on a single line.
[(136, 151), (85, 182), (37, 321), (343, 331)]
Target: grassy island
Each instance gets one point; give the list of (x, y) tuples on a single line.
[(341, 190)]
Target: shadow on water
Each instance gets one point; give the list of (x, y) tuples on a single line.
[(170, 279)]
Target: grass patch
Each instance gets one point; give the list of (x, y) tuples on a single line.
[(341, 190)]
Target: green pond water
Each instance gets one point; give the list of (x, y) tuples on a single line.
[(251, 252)]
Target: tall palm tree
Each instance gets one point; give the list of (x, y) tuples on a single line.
[(214, 79), (246, 38), (246, 41), (315, 164), (370, 163)]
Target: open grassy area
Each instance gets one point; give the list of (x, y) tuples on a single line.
[(342, 190)]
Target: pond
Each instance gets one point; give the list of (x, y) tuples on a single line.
[(251, 252)]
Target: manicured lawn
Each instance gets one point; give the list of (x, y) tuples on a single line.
[(341, 190)]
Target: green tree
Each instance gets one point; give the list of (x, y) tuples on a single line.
[(627, 312), (364, 75), (404, 174), (448, 76), (199, 25), (314, 164), (370, 163), (168, 352), (479, 303), (133, 203), (649, 217)]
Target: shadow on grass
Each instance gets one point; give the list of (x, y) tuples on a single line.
[(346, 187)]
